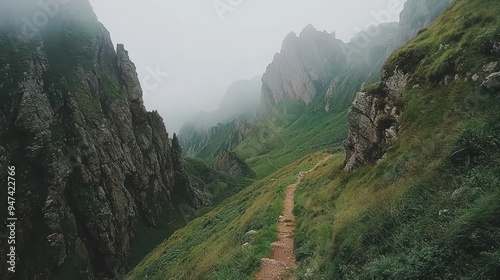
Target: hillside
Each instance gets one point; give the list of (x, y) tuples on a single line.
[(413, 196), (306, 91)]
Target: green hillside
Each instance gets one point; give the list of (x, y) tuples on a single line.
[(428, 210), (211, 247)]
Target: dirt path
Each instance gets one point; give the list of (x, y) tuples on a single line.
[(282, 261)]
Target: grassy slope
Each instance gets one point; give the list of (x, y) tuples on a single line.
[(286, 135), (381, 221), (397, 220), (210, 247)]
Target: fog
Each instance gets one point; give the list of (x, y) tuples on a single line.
[(187, 52)]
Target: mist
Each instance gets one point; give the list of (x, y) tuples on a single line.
[(189, 52)]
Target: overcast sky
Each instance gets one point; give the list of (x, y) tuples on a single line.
[(187, 52)]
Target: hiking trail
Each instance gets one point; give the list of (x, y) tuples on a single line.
[(283, 260)]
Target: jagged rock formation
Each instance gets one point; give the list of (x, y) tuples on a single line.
[(366, 55), (198, 142), (228, 162), (217, 144), (303, 67), (91, 160), (316, 64)]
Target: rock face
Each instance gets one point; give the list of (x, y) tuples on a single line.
[(90, 160), (316, 64), (375, 114), (228, 161), (373, 121), (304, 65)]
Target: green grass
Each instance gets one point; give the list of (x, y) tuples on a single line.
[(383, 222), (277, 143), (428, 210), (460, 42), (210, 247)]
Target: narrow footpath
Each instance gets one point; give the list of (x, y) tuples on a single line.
[(283, 260)]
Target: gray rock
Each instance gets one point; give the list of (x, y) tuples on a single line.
[(94, 161), (251, 232), (492, 83), (303, 62), (475, 77), (373, 123), (490, 67), (464, 192)]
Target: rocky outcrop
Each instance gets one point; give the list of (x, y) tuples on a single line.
[(305, 65), (91, 161), (373, 121), (492, 83), (375, 114), (228, 162)]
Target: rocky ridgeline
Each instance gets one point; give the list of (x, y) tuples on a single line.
[(304, 64), (91, 160), (317, 64)]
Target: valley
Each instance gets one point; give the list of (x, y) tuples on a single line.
[(376, 158)]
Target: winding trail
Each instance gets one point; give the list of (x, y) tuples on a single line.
[(283, 261)]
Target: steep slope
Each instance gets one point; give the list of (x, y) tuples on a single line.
[(91, 162), (318, 70), (229, 241), (303, 67), (428, 209), (417, 15), (419, 199), (315, 64)]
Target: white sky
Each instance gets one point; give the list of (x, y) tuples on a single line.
[(204, 54)]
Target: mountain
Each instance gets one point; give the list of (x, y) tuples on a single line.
[(314, 74), (316, 64), (91, 163), (242, 100), (305, 64), (413, 194)]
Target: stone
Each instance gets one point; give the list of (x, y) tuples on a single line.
[(490, 67), (251, 232), (373, 123), (309, 273), (492, 83), (475, 77)]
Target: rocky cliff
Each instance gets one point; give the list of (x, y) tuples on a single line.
[(305, 65), (438, 61), (91, 161), (316, 64), (373, 121)]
